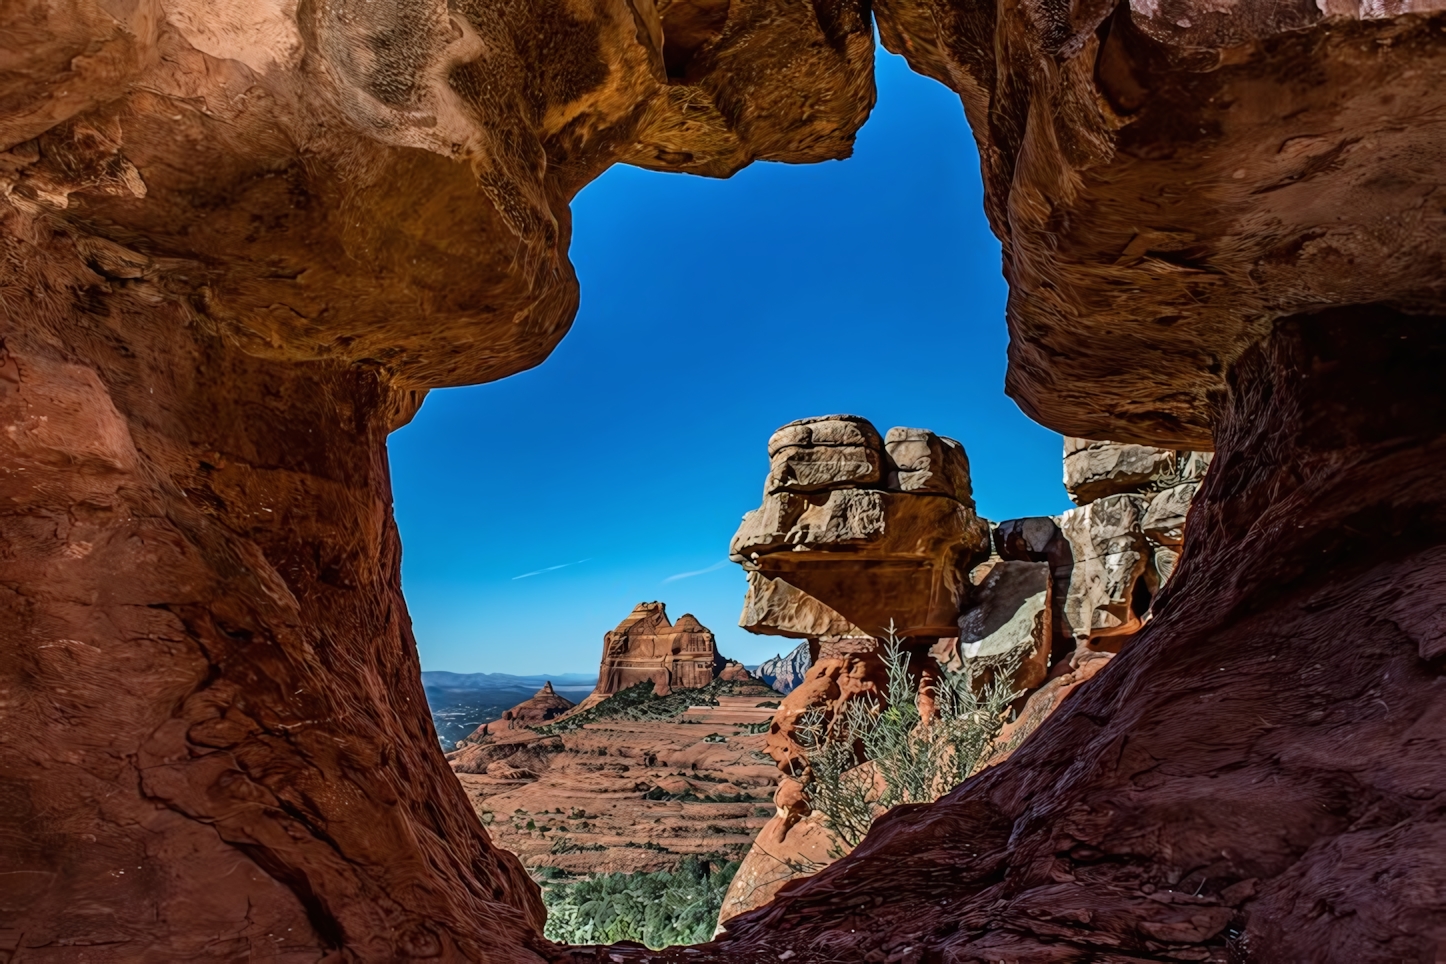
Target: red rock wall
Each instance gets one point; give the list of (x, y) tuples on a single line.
[(215, 736), (647, 646)]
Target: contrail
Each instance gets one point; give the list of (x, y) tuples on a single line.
[(698, 572), (538, 572)]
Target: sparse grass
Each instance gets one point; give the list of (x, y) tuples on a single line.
[(640, 702), (877, 755)]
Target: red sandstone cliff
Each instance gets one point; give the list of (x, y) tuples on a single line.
[(646, 646)]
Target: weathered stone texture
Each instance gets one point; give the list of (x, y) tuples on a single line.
[(856, 541), (1110, 556), (1009, 624), (785, 673), (646, 646), (238, 242)]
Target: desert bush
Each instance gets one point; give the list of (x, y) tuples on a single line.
[(875, 755), (659, 909)]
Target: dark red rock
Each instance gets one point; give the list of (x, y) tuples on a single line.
[(238, 243)]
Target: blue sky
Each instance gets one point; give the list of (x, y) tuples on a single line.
[(536, 511)]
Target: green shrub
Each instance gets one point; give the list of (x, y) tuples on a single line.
[(639, 702), (876, 755), (659, 909)]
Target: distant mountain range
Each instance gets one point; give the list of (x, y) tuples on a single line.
[(487, 681), (461, 702)]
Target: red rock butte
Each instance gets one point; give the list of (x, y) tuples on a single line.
[(646, 646)]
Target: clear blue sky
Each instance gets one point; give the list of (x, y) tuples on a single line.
[(712, 313)]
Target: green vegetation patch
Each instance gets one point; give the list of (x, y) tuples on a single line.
[(638, 703), (659, 909)]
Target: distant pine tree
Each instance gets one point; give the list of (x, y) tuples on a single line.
[(661, 909)]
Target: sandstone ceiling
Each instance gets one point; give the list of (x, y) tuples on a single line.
[(388, 183), (1168, 178)]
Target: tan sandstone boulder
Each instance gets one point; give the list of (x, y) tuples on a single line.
[(775, 607), (873, 554), (1009, 624), (814, 454), (1094, 469), (1110, 557)]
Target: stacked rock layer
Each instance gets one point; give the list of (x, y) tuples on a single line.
[(838, 534)]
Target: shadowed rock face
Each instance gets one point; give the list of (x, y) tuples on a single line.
[(238, 242), (1168, 178)]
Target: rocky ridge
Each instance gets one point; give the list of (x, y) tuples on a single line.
[(1056, 596), (537, 709), (632, 780), (785, 673)]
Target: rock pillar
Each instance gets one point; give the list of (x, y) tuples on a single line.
[(215, 744)]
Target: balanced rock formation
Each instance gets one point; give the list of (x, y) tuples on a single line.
[(784, 673), (881, 531), (1059, 595), (542, 706), (646, 646)]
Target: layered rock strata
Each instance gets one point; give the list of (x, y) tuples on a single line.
[(647, 646), (881, 531), (542, 706)]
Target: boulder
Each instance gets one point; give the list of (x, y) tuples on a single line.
[(646, 646), (813, 454), (1033, 539), (784, 673), (872, 554), (775, 607), (734, 672), (1110, 556), (924, 462), (1164, 521), (1094, 469), (1009, 623)]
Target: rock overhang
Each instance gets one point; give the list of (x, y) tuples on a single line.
[(1169, 179)]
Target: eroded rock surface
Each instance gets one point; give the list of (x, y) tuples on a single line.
[(238, 243), (784, 673), (1169, 178), (876, 540), (542, 706), (647, 646)]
